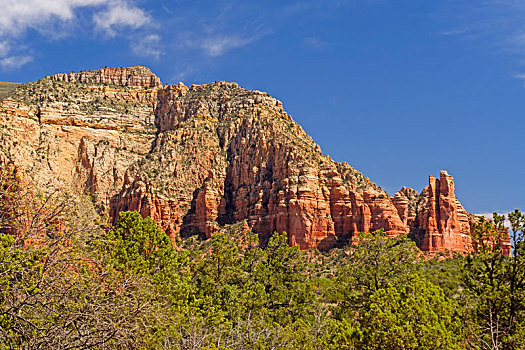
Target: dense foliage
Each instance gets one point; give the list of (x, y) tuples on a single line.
[(132, 288)]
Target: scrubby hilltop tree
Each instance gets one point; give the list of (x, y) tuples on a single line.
[(412, 315), (383, 299), (375, 262), (239, 285), (495, 285), (138, 244), (53, 293)]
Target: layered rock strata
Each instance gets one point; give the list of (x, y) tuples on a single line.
[(436, 218), (129, 76), (195, 158)]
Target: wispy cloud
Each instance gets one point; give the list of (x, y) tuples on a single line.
[(56, 19), (217, 45), (498, 25), (148, 46), (232, 25), (14, 62), (183, 73), (4, 48), (515, 41), (13, 56), (19, 15), (201, 34), (314, 42), (118, 15), (456, 31)]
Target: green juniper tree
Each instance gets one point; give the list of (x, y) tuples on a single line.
[(495, 285)]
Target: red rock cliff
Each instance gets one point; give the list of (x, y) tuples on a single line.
[(437, 220), (442, 223), (127, 76), (199, 157)]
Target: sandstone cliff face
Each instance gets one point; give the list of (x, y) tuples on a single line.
[(199, 157), (129, 76), (437, 221), (405, 201), (436, 218)]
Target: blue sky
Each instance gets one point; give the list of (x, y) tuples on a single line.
[(398, 89)]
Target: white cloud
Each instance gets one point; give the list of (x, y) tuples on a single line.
[(19, 15), (148, 46), (14, 62), (314, 42), (520, 77), (183, 73), (496, 24), (218, 45), (120, 14), (4, 48), (456, 31), (55, 19)]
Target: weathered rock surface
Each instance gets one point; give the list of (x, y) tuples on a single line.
[(436, 218), (200, 157), (405, 201), (125, 76)]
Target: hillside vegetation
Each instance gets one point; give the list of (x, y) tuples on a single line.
[(6, 88), (68, 280)]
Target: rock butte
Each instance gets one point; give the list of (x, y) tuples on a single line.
[(200, 157)]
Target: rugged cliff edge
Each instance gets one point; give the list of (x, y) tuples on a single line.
[(199, 157)]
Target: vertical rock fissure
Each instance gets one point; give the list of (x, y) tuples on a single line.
[(227, 207)]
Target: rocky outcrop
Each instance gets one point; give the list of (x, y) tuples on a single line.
[(127, 76), (195, 158), (436, 219), (441, 223), (405, 201)]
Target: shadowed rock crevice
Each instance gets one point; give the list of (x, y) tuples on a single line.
[(227, 205), (188, 228)]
